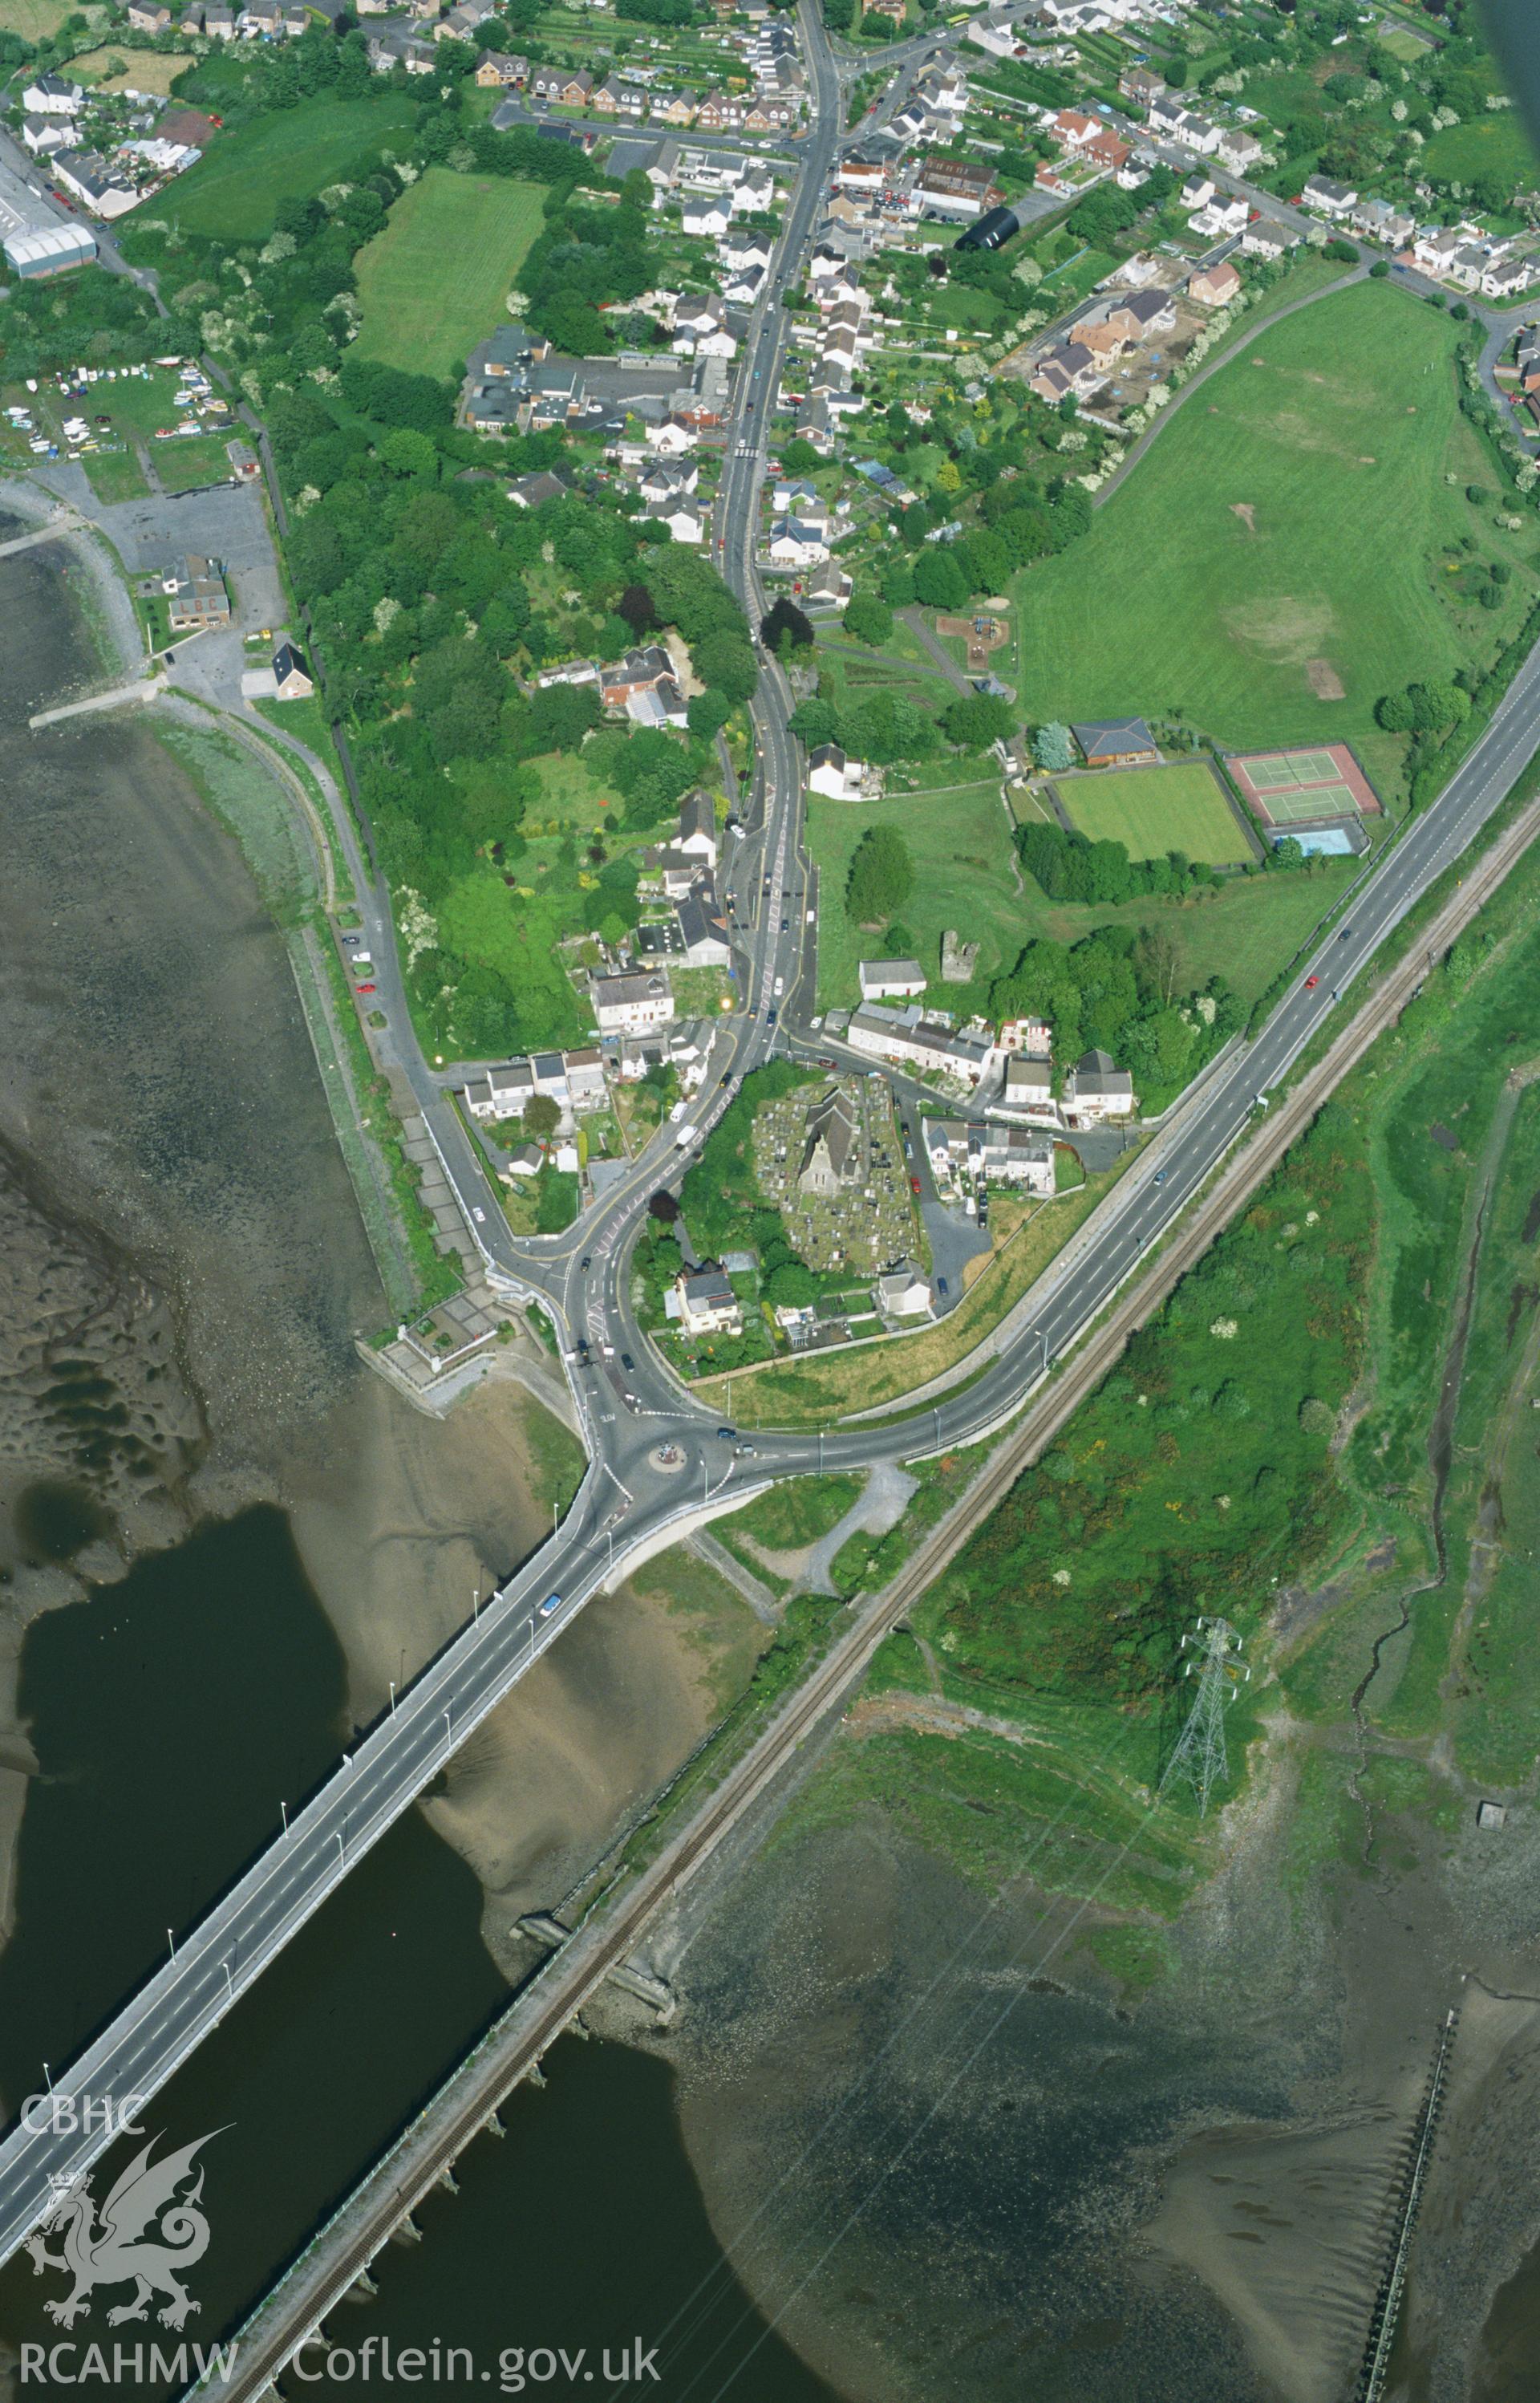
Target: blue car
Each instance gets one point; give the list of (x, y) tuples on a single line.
[(551, 1602)]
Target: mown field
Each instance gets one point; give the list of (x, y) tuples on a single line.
[(1151, 810), (237, 187), (434, 281), (1270, 565)]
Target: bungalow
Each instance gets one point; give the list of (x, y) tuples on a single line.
[(1215, 288), (795, 545), (1096, 1088), (828, 587), (291, 674), (903, 1292), (887, 979), (532, 491), (627, 1004), (831, 773), (1328, 198), (1117, 742), (708, 1304)]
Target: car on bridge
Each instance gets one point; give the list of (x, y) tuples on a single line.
[(549, 1606)]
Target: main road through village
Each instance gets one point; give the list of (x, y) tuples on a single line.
[(657, 1462)]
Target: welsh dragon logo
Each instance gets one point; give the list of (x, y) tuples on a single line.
[(147, 2232)]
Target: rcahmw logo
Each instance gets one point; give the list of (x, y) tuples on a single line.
[(150, 2229)]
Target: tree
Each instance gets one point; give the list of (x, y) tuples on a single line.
[(1054, 748), (798, 457), (938, 581), (706, 713), (868, 618), (975, 720), (898, 943), (639, 610), (881, 877), (785, 628), (542, 1116)]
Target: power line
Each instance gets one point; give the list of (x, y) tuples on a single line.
[(1202, 1758)]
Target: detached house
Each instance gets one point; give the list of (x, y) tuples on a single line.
[(562, 85), (708, 1304), (1328, 198), (831, 773)]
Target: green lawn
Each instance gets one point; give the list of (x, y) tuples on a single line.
[(434, 281), (960, 846), (1156, 809), (236, 187), (1484, 146), (1340, 421)]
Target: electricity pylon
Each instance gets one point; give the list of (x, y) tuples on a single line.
[(1200, 1757)]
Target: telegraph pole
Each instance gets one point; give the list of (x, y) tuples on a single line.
[(1200, 1758)]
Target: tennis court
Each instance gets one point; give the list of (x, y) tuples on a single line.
[(1301, 788)]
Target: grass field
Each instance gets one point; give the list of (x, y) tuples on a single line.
[(964, 877), (1155, 810), (34, 19), (434, 281), (1217, 581), (1484, 146), (143, 70), (235, 189)]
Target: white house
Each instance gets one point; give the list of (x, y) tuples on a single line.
[(888, 979), (1198, 191), (908, 1036), (683, 519), (1028, 1085), (1221, 218), (629, 1004), (832, 774), (698, 828), (707, 213), (1096, 1088), (671, 437), (903, 1292), (1328, 198), (51, 96), (795, 545), (43, 135), (708, 1304)]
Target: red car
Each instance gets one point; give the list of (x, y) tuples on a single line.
[(914, 1185), (365, 988), (1311, 983)]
